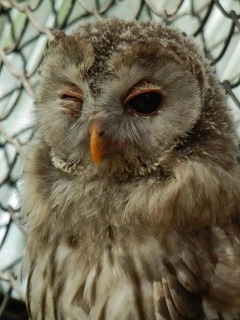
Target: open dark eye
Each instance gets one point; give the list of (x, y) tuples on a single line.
[(71, 96), (144, 102)]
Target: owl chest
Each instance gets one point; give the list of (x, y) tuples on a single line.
[(114, 278), (118, 284), (103, 260)]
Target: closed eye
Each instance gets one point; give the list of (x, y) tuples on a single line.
[(71, 96), (73, 102)]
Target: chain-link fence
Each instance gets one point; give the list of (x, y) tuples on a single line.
[(25, 28)]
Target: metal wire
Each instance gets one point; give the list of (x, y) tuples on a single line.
[(25, 28)]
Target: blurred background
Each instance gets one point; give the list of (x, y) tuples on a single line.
[(25, 28)]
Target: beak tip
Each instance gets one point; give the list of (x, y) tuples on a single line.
[(97, 145), (96, 162)]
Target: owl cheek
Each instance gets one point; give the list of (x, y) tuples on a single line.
[(72, 111), (113, 149), (109, 151)]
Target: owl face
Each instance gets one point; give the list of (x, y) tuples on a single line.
[(118, 92)]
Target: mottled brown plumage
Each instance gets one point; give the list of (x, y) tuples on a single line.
[(151, 229)]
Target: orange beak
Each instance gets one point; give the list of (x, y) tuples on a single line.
[(97, 144)]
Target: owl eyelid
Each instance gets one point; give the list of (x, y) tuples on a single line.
[(71, 96), (137, 91)]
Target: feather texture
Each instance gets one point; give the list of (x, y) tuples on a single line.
[(152, 232)]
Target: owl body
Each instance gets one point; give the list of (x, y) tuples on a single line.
[(131, 180)]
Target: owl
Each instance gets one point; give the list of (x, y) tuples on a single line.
[(131, 180)]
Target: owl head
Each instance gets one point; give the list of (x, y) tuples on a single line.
[(123, 97)]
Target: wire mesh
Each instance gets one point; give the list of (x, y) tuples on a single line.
[(25, 28)]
